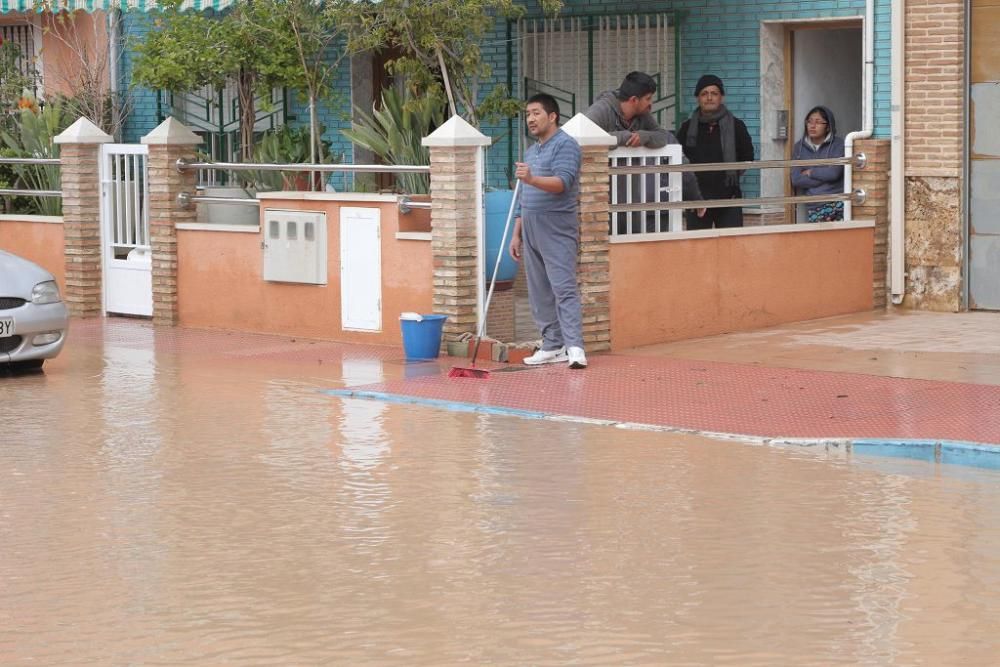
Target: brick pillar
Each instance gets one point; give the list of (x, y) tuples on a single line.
[(170, 141), (455, 148), (594, 266), (79, 155), (874, 178)]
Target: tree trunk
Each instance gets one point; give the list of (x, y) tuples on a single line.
[(313, 139), (247, 115)]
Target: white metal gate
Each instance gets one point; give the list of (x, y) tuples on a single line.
[(126, 255)]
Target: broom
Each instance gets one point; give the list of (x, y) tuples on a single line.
[(471, 371)]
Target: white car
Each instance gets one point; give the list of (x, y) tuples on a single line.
[(33, 318)]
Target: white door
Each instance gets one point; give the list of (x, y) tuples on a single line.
[(360, 269), (126, 254)]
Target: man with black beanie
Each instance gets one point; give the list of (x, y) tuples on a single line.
[(713, 134)]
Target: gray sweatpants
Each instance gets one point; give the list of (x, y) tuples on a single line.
[(550, 245)]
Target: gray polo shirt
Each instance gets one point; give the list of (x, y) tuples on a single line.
[(559, 156)]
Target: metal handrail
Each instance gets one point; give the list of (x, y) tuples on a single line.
[(31, 193), (31, 160), (184, 165), (185, 199), (858, 197), (406, 204), (859, 161)]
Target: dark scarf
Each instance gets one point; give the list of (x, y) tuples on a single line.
[(727, 134)]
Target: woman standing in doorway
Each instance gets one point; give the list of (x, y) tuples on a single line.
[(819, 141)]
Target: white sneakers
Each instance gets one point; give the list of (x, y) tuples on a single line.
[(546, 357), (574, 355)]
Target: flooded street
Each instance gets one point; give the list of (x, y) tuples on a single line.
[(193, 498)]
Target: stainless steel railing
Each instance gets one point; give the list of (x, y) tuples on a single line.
[(858, 161), (185, 165), (857, 196), (34, 161), (185, 199)]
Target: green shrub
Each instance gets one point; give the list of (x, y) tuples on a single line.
[(34, 137)]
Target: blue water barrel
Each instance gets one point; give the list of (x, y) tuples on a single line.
[(497, 206)]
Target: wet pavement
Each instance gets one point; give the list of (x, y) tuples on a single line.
[(175, 496), (916, 376)]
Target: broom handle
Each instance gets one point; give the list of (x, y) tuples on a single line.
[(496, 265)]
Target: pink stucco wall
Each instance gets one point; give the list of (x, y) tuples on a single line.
[(686, 288)]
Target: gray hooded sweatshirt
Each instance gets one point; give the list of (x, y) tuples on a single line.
[(606, 112)]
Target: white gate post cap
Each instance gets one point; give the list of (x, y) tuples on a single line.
[(456, 132), (587, 132), (82, 132), (171, 132)]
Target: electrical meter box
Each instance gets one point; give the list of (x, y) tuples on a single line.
[(294, 246)]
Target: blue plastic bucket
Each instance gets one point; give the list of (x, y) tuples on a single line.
[(422, 338), (497, 207)]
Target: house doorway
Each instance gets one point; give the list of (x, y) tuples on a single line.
[(806, 64)]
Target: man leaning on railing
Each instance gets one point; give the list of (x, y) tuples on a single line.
[(625, 115)]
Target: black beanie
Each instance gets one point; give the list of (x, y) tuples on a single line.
[(707, 80)]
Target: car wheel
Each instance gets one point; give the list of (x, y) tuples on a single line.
[(29, 365)]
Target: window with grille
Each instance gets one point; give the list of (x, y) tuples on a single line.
[(577, 58), (28, 39)]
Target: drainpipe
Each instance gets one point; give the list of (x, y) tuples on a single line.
[(867, 107), (897, 178), (966, 161)]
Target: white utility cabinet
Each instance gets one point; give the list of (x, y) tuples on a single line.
[(294, 246)]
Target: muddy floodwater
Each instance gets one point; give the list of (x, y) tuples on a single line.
[(163, 504)]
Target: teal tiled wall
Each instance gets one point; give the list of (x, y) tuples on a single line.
[(722, 37)]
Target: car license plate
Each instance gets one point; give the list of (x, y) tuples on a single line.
[(7, 327)]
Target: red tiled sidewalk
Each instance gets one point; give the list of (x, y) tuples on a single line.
[(732, 398), (709, 396)]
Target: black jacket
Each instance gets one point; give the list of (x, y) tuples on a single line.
[(709, 149)]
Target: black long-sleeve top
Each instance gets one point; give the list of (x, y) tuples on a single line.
[(709, 149)]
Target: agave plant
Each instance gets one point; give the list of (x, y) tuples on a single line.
[(35, 138), (287, 145), (394, 131)]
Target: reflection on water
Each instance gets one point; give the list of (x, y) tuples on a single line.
[(167, 507)]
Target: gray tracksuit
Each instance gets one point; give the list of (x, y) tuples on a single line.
[(550, 234)]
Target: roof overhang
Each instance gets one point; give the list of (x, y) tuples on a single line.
[(36, 6)]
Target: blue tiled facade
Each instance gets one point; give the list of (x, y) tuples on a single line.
[(143, 117), (719, 36), (722, 37)]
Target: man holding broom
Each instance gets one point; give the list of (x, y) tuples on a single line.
[(547, 234)]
